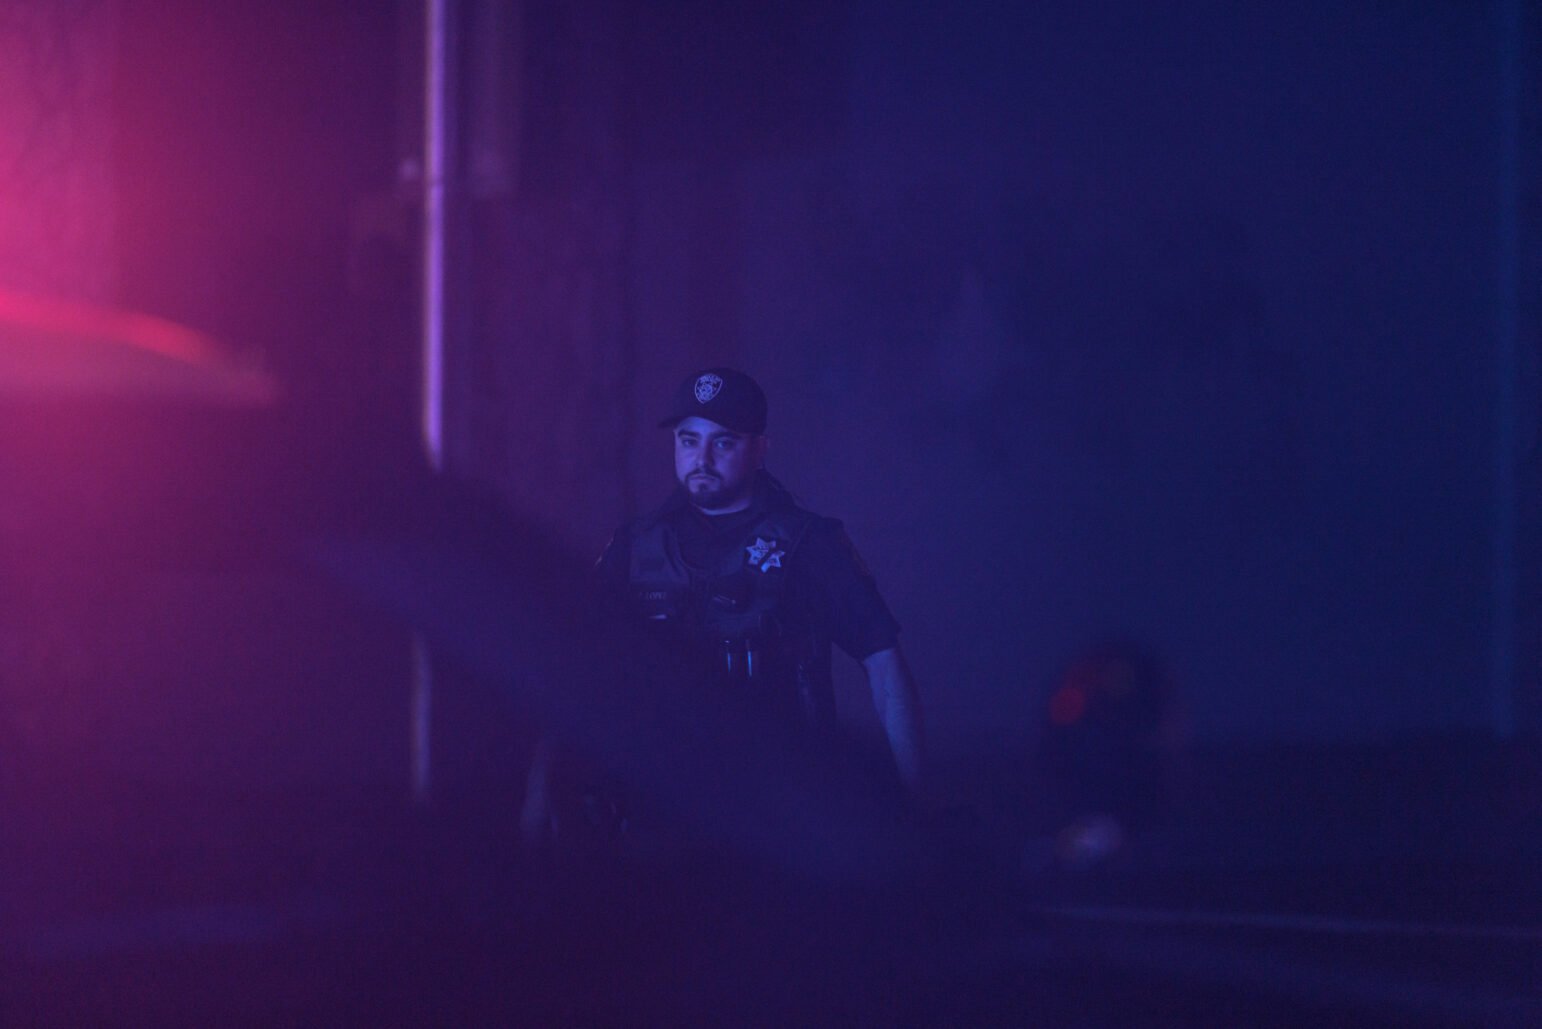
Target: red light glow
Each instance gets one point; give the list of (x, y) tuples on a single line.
[(1067, 706), (52, 346)]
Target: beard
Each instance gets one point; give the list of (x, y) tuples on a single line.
[(709, 491)]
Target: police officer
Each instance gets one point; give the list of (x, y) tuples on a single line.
[(750, 588)]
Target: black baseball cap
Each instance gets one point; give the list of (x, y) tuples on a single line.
[(723, 395)]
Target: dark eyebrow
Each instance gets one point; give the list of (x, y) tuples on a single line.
[(693, 434)]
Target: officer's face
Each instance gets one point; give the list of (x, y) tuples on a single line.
[(716, 465)]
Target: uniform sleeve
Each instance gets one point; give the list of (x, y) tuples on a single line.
[(855, 615)]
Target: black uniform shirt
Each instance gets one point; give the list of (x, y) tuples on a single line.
[(826, 576)]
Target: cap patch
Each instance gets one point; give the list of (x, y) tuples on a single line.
[(707, 387)]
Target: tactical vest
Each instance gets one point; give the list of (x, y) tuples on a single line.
[(736, 618)]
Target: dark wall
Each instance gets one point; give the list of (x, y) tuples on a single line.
[(1178, 326), (1114, 321), (540, 402), (164, 636), (248, 143)]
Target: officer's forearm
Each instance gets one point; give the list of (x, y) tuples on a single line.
[(899, 710)]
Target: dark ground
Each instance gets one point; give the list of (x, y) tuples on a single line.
[(1295, 887)]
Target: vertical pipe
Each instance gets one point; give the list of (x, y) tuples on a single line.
[(435, 160), (421, 721), (1507, 327)]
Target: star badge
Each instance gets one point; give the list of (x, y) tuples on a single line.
[(764, 555)]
